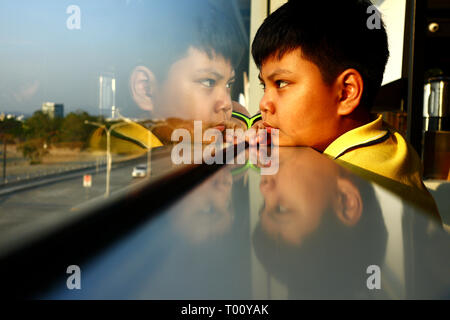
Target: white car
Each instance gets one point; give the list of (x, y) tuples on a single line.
[(139, 171)]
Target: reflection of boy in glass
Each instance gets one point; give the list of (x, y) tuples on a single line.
[(320, 227), (207, 213), (190, 71), (187, 51)]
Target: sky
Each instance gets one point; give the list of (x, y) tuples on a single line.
[(41, 59), (44, 59)]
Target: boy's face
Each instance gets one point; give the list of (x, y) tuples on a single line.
[(202, 218), (298, 102), (197, 87), (296, 197), (306, 186)]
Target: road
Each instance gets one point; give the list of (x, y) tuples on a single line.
[(66, 196)]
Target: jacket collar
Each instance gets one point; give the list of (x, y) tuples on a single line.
[(368, 134)]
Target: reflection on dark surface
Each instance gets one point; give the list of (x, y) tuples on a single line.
[(314, 235), (208, 212), (319, 229)]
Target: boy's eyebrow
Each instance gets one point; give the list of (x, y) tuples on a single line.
[(218, 75), (276, 73)]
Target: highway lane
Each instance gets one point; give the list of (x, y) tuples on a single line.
[(64, 197)]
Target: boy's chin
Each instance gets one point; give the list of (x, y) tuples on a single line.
[(286, 141), (290, 141)]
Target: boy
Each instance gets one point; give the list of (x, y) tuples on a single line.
[(188, 75), (321, 67)]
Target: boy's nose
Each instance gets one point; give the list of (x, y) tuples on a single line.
[(223, 103), (266, 104)]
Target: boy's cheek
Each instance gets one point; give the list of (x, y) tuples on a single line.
[(285, 140), (228, 115)]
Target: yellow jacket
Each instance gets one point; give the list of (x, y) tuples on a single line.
[(129, 139), (377, 147), (380, 149)]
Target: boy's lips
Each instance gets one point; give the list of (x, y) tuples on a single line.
[(219, 126), (268, 126)]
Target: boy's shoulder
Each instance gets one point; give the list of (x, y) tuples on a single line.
[(379, 148), (130, 138)]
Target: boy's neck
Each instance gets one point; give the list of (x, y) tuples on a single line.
[(348, 123), (354, 120)]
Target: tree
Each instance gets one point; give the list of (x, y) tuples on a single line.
[(10, 128), (33, 150), (40, 130), (74, 128), (41, 126)]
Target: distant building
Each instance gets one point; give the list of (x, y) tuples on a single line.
[(17, 116), (53, 109), (107, 94)]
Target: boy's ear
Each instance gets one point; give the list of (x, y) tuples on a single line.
[(350, 85), (348, 204), (142, 87)]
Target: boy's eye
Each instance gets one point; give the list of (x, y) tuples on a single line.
[(281, 83), (209, 83), (281, 209), (263, 85), (230, 84)]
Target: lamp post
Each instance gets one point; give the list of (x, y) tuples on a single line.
[(4, 159), (149, 147), (108, 148)]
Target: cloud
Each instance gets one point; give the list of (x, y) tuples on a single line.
[(27, 91)]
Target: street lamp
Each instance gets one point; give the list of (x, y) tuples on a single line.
[(149, 146), (108, 147)]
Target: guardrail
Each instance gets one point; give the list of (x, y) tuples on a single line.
[(36, 181)]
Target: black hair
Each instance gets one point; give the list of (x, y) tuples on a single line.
[(334, 35), (173, 26), (330, 263)]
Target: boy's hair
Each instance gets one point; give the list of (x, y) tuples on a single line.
[(173, 26), (334, 35)]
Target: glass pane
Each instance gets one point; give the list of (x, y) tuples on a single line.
[(91, 93)]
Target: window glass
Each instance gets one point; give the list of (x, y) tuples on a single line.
[(91, 92)]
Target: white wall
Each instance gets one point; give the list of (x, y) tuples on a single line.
[(275, 4), (257, 15), (393, 14)]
